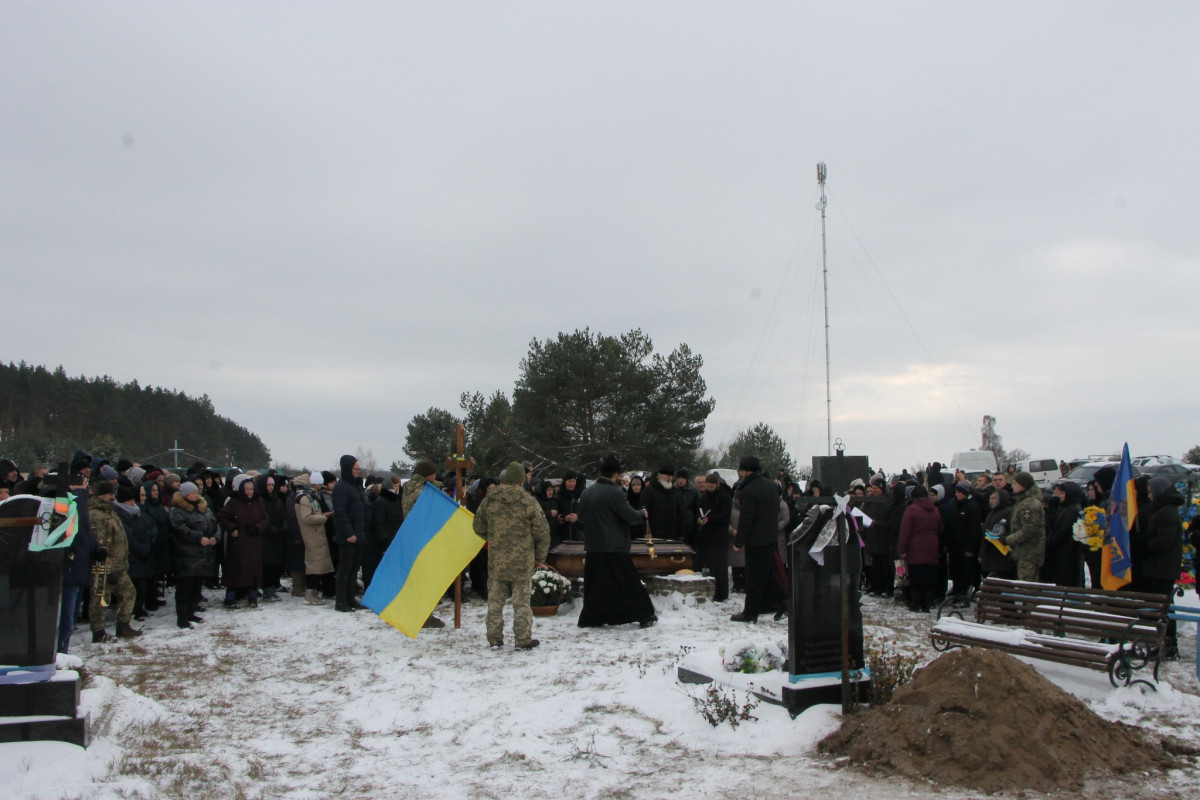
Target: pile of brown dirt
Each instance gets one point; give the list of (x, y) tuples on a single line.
[(981, 719)]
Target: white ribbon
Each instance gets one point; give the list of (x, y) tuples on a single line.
[(830, 530)]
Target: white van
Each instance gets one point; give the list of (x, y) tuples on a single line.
[(1045, 471), (974, 462)]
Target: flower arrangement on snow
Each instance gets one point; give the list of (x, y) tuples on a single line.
[(743, 655), (1090, 528), (549, 588)]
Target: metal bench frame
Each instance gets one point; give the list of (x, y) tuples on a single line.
[(1119, 633)]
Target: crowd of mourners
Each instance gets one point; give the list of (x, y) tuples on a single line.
[(241, 539)]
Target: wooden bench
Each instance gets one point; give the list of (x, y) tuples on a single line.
[(1118, 633)]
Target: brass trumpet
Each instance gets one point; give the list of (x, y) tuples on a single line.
[(100, 582)]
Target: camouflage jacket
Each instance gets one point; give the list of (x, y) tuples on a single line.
[(412, 490), (516, 530), (109, 533), (1027, 528)]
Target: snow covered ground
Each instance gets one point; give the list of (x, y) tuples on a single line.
[(297, 701)]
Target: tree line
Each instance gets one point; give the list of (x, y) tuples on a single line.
[(46, 415), (579, 396)]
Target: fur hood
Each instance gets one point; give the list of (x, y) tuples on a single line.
[(181, 502)]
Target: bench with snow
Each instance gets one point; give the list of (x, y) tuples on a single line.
[(1118, 633)]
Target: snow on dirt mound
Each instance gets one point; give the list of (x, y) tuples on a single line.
[(984, 720)]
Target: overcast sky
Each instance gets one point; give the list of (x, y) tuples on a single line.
[(330, 217)]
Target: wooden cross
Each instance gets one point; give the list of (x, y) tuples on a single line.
[(460, 464)]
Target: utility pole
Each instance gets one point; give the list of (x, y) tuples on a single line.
[(825, 280)]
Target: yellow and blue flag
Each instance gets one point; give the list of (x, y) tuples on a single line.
[(434, 544), (1116, 566)]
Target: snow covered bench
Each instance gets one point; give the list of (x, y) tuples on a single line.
[(1114, 632)]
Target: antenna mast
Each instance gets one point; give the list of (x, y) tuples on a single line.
[(825, 280)]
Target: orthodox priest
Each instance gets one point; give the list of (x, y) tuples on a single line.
[(613, 593)]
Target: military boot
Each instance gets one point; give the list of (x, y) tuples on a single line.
[(102, 636), (127, 631)]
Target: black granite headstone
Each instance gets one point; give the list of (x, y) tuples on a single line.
[(30, 591)]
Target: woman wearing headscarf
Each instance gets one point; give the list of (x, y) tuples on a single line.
[(274, 558), (637, 485), (244, 521)]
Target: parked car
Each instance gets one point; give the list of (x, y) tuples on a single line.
[(1146, 461), (1176, 473), (974, 462), (1045, 471), (1085, 472)]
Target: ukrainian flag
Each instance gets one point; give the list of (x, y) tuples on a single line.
[(434, 544), (1116, 566)]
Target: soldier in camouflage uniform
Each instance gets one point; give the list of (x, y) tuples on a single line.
[(518, 537), (117, 587), (1027, 528), (423, 473)]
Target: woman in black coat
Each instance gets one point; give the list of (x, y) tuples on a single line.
[(194, 538), (274, 545), (992, 562), (1064, 558)]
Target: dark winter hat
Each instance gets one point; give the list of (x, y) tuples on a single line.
[(682, 473), (80, 461), (1104, 477), (124, 465), (109, 474), (1025, 479), (125, 494), (326, 477), (105, 487), (750, 464), (424, 468), (1159, 486), (611, 464), (667, 469), (173, 478), (964, 487), (515, 473)]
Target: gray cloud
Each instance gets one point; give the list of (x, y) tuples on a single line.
[(330, 217)]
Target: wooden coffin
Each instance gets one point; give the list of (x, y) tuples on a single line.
[(669, 556)]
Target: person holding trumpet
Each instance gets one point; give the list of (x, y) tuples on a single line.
[(110, 568)]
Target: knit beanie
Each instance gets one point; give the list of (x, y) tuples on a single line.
[(125, 494), (314, 479), (187, 488), (109, 474), (515, 474), (424, 468), (1025, 479), (610, 465), (104, 487)]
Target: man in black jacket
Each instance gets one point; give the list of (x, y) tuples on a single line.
[(758, 534), (350, 521)]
